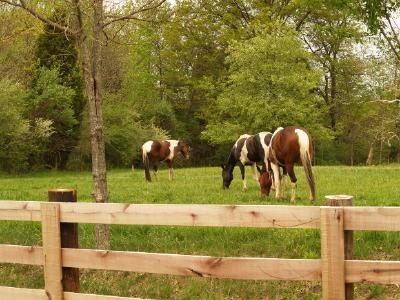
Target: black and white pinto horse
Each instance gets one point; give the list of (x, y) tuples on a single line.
[(248, 150), (153, 152)]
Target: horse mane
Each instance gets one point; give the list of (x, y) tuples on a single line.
[(231, 160)]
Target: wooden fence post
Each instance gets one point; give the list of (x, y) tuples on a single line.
[(52, 250), (69, 238), (344, 200), (332, 253)]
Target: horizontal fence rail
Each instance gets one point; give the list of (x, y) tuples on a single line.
[(373, 271), (174, 264), (36, 294), (170, 214), (332, 221), (267, 216)]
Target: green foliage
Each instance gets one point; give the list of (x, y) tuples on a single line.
[(143, 85), (124, 134), (21, 140), (270, 85), (49, 99), (207, 71), (55, 51)]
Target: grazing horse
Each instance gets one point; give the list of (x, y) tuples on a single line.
[(288, 146), (153, 152), (265, 179), (248, 150)]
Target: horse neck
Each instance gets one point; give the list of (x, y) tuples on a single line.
[(230, 165)]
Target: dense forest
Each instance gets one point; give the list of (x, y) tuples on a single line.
[(204, 71)]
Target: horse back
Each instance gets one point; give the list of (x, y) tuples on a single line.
[(255, 149), (159, 150), (285, 145)]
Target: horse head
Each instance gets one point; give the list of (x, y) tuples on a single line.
[(184, 149), (227, 176), (265, 181)]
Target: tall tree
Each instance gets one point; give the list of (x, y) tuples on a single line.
[(88, 22), (261, 94)]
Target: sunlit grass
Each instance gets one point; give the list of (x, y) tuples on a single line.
[(369, 186)]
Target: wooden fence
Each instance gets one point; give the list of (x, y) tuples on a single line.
[(336, 270)]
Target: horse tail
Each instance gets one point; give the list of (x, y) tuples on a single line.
[(305, 156), (146, 164)]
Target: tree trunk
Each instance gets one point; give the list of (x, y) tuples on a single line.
[(332, 108), (370, 155), (398, 155), (91, 61), (352, 155), (380, 152)]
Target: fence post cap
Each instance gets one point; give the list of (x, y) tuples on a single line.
[(61, 190)]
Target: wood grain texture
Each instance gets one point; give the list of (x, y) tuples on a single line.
[(27, 255), (372, 218), (52, 250), (373, 271), (191, 265), (344, 200), (175, 264), (13, 293), (274, 216), (332, 253), (20, 210)]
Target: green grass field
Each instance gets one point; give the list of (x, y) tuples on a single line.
[(370, 186)]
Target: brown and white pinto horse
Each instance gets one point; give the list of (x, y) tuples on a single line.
[(153, 152), (288, 146)]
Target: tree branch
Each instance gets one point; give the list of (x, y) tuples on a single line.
[(132, 15), (21, 4), (302, 20), (384, 101)]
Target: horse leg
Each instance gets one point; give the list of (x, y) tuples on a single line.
[(293, 179), (275, 170), (269, 169), (284, 181), (155, 169), (241, 166), (170, 170), (254, 170)]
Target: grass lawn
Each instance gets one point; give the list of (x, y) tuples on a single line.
[(372, 186)]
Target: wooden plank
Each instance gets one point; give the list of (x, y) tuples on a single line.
[(372, 218), (190, 265), (27, 255), (175, 264), (19, 210), (36, 294), (373, 271), (21, 294), (193, 215), (274, 216), (52, 250), (344, 200), (78, 296), (332, 253)]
